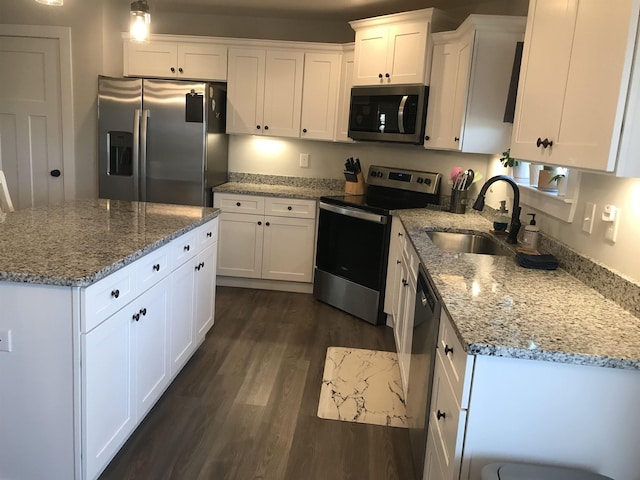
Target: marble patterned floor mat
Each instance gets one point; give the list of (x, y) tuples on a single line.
[(362, 386)]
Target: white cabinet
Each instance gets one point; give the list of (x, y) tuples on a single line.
[(344, 95), (131, 352), (574, 83), (400, 294), (274, 241), (395, 49), (470, 79), (165, 57), (108, 379), (125, 370), (320, 95), (264, 94), (449, 403)]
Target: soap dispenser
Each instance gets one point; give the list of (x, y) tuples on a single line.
[(530, 236), (502, 218)]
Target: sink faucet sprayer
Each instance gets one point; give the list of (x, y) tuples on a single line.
[(515, 209)]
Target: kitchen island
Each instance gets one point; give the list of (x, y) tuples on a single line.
[(102, 303), (550, 371)]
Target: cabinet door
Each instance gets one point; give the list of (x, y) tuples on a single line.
[(205, 291), (566, 96), (181, 332), (201, 61), (442, 92), (153, 59), (393, 269), (288, 249), (283, 93), (240, 245), (543, 76), (245, 90), (406, 53), (463, 70), (344, 102), (321, 79), (151, 340), (371, 56), (108, 409)]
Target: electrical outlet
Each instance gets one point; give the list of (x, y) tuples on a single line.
[(5, 340), (611, 230), (304, 160), (589, 215)]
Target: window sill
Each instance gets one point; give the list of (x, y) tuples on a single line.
[(562, 207)]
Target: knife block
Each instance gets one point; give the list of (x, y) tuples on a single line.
[(356, 188)]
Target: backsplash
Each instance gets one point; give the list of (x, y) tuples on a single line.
[(305, 182)]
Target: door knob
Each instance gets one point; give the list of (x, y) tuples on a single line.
[(55, 173)]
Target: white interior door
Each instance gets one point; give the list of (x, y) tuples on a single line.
[(31, 120)]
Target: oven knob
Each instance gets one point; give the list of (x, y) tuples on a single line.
[(427, 181), (379, 174), (372, 173), (420, 180)]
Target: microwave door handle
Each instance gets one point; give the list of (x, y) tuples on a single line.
[(403, 102)]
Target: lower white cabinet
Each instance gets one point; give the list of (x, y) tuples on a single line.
[(275, 241), (400, 294), (449, 402), (129, 358)]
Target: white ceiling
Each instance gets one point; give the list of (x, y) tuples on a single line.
[(329, 9)]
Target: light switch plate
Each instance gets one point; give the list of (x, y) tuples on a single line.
[(304, 160), (588, 217), (5, 340), (611, 230)]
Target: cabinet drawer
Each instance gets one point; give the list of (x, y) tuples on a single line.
[(184, 248), (153, 267), (456, 362), (207, 234), (107, 296), (290, 207), (228, 202), (448, 421)]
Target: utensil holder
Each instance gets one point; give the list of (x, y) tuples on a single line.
[(458, 201), (356, 188)]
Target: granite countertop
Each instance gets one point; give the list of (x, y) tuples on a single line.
[(80, 242), (499, 308), (283, 191)]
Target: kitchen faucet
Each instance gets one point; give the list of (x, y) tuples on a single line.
[(515, 209)]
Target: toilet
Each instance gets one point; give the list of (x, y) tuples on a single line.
[(527, 471)]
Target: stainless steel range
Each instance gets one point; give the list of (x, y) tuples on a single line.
[(353, 239)]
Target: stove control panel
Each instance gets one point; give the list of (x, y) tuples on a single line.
[(412, 180)]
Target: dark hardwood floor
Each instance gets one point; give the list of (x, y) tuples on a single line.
[(245, 405)]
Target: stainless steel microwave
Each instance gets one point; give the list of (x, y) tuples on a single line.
[(388, 113)]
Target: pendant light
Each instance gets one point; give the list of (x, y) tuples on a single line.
[(140, 21), (56, 3)]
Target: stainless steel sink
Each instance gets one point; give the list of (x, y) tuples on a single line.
[(467, 243)]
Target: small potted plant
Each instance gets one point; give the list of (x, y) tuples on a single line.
[(560, 178), (547, 178), (518, 167)]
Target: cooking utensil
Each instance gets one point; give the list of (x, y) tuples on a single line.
[(470, 177), (454, 173)]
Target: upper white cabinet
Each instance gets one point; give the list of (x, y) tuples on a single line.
[(395, 49), (470, 77), (344, 94), (573, 87), (320, 96), (169, 57), (264, 91)]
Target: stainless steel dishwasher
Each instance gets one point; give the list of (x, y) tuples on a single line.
[(426, 323)]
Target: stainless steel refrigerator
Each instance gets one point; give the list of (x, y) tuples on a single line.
[(161, 141)]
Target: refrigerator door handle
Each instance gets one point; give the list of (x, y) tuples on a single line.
[(136, 153), (143, 155)]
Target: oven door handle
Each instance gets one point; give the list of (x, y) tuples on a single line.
[(351, 212)]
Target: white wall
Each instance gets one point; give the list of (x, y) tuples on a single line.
[(272, 156)]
